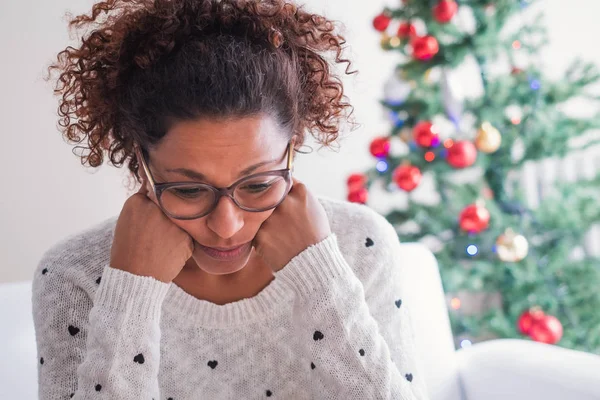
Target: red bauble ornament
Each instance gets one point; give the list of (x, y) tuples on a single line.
[(548, 330), (425, 47), (406, 30), (528, 319), (381, 22), (407, 177), (462, 154), (425, 135), (444, 11), (474, 218), (356, 182), (380, 147), (358, 196)]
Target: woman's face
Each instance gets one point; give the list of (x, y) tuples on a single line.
[(220, 153)]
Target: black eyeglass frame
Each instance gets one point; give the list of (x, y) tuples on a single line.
[(159, 188)]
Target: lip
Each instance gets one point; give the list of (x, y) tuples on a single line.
[(225, 249), (227, 254)]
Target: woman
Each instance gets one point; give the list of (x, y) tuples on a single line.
[(223, 277)]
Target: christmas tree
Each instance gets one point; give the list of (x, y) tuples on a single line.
[(509, 270)]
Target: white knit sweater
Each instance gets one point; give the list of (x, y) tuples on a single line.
[(331, 325)]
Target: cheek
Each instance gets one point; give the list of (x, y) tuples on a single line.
[(187, 226), (255, 220)]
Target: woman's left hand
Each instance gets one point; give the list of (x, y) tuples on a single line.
[(297, 223)]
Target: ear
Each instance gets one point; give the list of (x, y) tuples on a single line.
[(141, 171), (295, 139)]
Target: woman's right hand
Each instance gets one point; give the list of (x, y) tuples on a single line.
[(146, 241)]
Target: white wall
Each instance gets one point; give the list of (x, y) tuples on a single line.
[(47, 194)]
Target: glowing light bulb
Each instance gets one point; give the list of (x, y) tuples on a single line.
[(382, 166), (455, 303), (472, 250)]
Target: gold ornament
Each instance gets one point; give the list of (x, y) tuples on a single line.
[(511, 247), (390, 42), (488, 138), (427, 76)]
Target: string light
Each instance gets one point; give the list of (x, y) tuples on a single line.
[(448, 143), (535, 84), (515, 120), (429, 156), (466, 343), (382, 166), (516, 45), (472, 250), (396, 118), (455, 303)]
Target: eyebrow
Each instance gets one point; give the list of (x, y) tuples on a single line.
[(198, 176)]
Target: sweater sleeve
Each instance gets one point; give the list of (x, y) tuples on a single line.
[(107, 347), (355, 355)]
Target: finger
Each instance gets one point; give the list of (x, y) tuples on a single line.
[(144, 188), (256, 246), (295, 183), (297, 186)]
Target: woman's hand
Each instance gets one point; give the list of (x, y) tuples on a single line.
[(297, 223), (147, 242)]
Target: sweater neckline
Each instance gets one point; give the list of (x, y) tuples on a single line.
[(272, 300)]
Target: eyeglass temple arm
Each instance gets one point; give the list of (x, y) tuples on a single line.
[(291, 153), (142, 161)]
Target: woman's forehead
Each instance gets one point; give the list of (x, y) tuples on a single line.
[(252, 134), (192, 150)]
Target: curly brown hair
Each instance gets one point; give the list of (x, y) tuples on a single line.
[(147, 63)]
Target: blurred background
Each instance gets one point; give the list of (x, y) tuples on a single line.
[(474, 140), (47, 194)]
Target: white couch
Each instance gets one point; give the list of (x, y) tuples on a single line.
[(493, 370)]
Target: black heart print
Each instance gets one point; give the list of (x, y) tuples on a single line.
[(361, 352), (44, 271), (98, 280), (139, 358), (398, 303), (369, 242), (73, 331), (318, 335), (213, 364), (98, 388), (312, 366), (269, 393), (409, 377)]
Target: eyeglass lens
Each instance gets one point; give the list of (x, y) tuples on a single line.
[(253, 194)]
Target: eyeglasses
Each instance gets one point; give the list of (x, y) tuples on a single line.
[(190, 200)]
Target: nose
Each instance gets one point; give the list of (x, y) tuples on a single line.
[(226, 219)]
